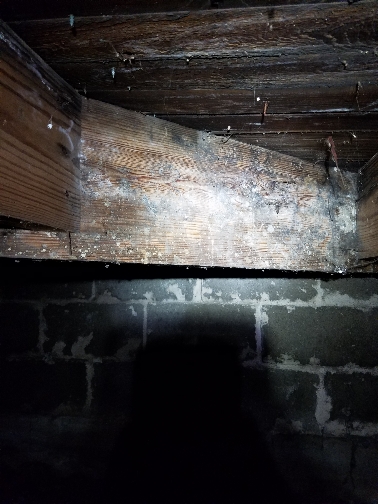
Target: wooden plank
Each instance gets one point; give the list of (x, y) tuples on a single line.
[(353, 149), (241, 124), (39, 139), (159, 193), (21, 243), (319, 63), (24, 9), (367, 211), (301, 135), (312, 98), (224, 32), (10, 223)]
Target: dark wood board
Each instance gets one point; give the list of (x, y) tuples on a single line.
[(224, 32), (355, 135), (241, 124), (337, 97), (352, 153), (318, 60), (319, 63), (44, 9)]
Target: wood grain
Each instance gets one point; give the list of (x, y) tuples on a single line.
[(39, 139), (159, 193), (367, 210), (203, 33), (352, 148), (174, 59), (156, 192), (269, 69), (21, 243), (242, 124), (355, 135), (24, 9), (312, 98)]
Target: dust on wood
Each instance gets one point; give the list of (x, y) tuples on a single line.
[(155, 192)]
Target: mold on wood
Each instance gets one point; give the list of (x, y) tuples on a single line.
[(156, 192)]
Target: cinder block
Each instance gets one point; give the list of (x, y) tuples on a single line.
[(35, 387), (357, 288), (19, 328), (354, 397), (281, 400), (366, 470), (112, 387), (146, 289), (315, 468), (231, 324), (37, 290), (233, 289), (100, 330), (334, 336)]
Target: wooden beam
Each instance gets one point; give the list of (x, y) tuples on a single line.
[(367, 211), (155, 192), (336, 96), (264, 69), (39, 139), (24, 9), (247, 124), (225, 32), (159, 193), (20, 243), (316, 60), (353, 148), (303, 135)]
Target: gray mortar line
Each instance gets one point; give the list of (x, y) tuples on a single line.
[(144, 337)]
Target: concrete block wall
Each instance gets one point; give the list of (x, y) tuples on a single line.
[(308, 354)]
